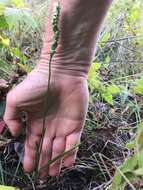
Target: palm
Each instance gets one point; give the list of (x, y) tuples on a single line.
[(66, 110)]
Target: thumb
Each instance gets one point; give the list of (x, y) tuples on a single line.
[(12, 116)]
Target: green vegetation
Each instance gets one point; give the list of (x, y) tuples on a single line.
[(114, 126), (17, 25)]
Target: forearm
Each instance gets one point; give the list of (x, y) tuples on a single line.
[(80, 24)]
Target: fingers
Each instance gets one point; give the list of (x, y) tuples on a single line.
[(51, 148), (45, 157), (71, 140), (12, 115), (58, 148), (33, 138)]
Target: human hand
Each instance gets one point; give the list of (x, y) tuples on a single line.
[(66, 111)]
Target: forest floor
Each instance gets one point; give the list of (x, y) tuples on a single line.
[(108, 129)]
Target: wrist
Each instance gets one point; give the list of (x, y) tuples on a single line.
[(61, 69), (72, 58), (78, 37)]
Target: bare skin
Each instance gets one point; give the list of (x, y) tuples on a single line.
[(68, 96), (64, 121)]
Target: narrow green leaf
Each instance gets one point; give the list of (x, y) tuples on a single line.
[(140, 159), (130, 164), (59, 156), (117, 180), (139, 172), (140, 137)]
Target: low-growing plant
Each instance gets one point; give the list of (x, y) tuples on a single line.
[(106, 90), (131, 171), (15, 22)]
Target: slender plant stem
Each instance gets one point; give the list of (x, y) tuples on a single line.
[(1, 173), (59, 156), (16, 171), (55, 21)]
